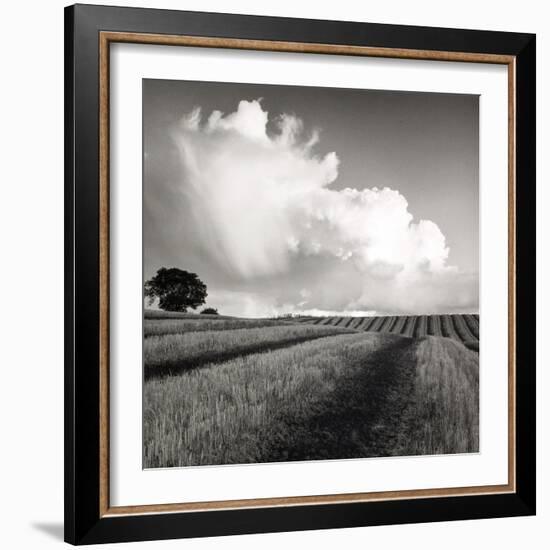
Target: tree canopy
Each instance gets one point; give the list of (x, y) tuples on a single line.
[(210, 311), (176, 289)]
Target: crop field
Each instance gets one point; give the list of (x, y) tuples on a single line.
[(462, 328), (160, 327), (223, 390), (170, 353)]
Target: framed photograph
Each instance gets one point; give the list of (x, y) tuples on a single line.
[(300, 274)]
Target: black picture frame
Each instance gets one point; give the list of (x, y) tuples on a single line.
[(84, 523)]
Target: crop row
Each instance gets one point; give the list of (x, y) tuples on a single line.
[(175, 352), (463, 328)]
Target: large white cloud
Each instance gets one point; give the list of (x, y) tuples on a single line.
[(262, 202)]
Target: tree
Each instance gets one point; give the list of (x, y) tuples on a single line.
[(210, 311), (176, 289)]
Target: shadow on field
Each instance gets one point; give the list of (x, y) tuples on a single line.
[(172, 369), (364, 416)]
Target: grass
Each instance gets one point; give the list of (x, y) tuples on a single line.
[(340, 396), (159, 314), (172, 353), (158, 327), (445, 415), (261, 407)]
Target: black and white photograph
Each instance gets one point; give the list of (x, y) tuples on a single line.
[(275, 275), (311, 273)]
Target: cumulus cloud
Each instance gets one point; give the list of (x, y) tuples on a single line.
[(252, 304), (263, 204)]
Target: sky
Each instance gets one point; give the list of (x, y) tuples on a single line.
[(287, 199)]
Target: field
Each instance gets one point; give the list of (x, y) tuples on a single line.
[(221, 390), (462, 328)]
